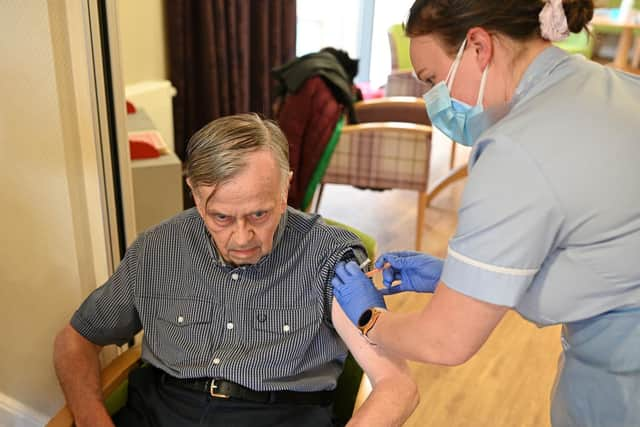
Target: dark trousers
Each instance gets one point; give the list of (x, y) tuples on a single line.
[(152, 403)]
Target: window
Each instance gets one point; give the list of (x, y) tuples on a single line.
[(386, 13), (326, 23), (346, 25)]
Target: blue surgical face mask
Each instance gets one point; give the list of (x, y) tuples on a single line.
[(452, 117)]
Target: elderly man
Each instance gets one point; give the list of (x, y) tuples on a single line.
[(235, 299)]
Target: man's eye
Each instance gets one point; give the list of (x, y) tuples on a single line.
[(259, 214), (220, 218)]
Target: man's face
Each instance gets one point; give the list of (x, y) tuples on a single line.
[(242, 215)]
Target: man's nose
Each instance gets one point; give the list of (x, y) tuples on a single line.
[(243, 233)]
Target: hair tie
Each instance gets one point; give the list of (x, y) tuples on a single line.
[(553, 21)]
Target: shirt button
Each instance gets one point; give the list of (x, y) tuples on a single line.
[(286, 328), (180, 319), (230, 325), (262, 317), (235, 276), (216, 361)]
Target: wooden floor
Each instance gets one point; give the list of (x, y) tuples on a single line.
[(508, 383)]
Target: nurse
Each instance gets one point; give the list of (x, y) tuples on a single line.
[(549, 223)]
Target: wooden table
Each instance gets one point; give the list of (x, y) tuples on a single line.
[(603, 18)]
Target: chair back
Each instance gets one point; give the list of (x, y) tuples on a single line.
[(406, 109), (399, 46), (382, 156), (404, 83), (581, 43), (368, 241)]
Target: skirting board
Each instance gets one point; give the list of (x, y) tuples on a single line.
[(15, 414)]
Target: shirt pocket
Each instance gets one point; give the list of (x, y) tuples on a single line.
[(285, 334), (183, 332)]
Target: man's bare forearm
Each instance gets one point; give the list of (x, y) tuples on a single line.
[(390, 403), (78, 369)]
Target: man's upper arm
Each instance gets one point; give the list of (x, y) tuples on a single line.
[(354, 253), (375, 362), (108, 315)]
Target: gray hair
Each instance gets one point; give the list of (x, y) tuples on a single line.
[(217, 152)]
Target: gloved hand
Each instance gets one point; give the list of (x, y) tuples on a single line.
[(354, 291), (417, 272)]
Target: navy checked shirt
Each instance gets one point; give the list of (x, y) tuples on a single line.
[(266, 326)]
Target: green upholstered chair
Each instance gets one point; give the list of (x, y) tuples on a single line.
[(115, 376), (581, 43), (399, 44), (320, 169)]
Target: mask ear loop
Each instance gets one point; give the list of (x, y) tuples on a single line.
[(483, 83), (454, 67)]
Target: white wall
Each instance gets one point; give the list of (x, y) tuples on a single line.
[(53, 242), (143, 40)]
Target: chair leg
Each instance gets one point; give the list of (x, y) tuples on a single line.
[(452, 160), (453, 176), (317, 205), (635, 61), (422, 206)]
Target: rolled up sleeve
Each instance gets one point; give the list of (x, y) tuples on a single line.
[(508, 222)]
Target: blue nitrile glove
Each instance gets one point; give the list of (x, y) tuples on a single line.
[(417, 272), (355, 291)]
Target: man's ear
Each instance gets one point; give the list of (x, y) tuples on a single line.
[(481, 43), (191, 189), (285, 193), (195, 195)]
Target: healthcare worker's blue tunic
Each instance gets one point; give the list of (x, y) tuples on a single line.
[(550, 225)]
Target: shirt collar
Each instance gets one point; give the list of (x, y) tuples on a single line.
[(277, 237), (541, 67)]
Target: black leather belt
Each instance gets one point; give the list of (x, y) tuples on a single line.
[(223, 389)]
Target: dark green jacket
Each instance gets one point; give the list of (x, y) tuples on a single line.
[(292, 75)]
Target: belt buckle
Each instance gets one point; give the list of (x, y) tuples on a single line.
[(212, 391)]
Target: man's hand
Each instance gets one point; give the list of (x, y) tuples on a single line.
[(355, 291), (416, 271), (78, 369)]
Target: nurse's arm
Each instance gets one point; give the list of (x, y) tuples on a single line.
[(394, 394), (448, 331)]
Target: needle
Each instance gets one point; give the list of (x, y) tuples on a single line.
[(375, 270), (365, 263)]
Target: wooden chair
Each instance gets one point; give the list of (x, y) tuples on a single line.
[(394, 134), (114, 379), (409, 109), (352, 389), (390, 155), (404, 84)]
